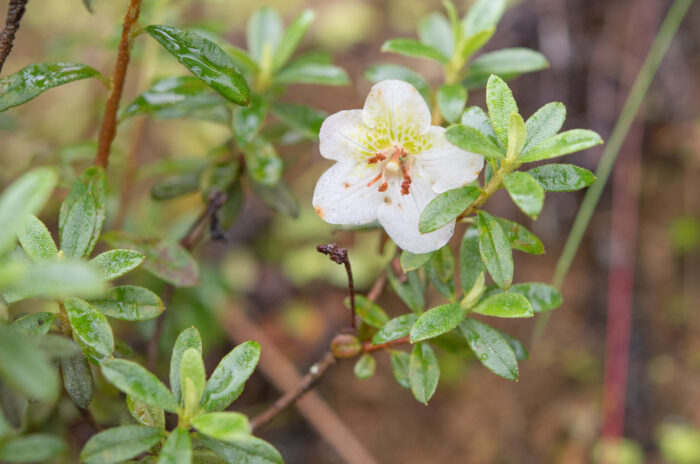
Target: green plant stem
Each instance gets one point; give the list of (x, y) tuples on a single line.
[(627, 116)]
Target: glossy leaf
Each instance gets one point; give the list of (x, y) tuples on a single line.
[(305, 120), (365, 366), (562, 177), (24, 368), (262, 162), (177, 448), (369, 311), (37, 241), (520, 238), (471, 139), (451, 99), (526, 192), (34, 324), (542, 297), (115, 263), (83, 213), (397, 327), (35, 79), (229, 377), (424, 372), (492, 350), (435, 31), (382, 72), (308, 72), (91, 330), (410, 291), (563, 144), (506, 63), (24, 196), (247, 121), (495, 250), (292, 37), (413, 48), (264, 34), (204, 59), (400, 362), (437, 321), (77, 380), (545, 123), (188, 338), (470, 263), (119, 444), (483, 14), (137, 382), (37, 447), (224, 426), (129, 303), (411, 262), (249, 450), (145, 414), (444, 208), (504, 305), (501, 104)]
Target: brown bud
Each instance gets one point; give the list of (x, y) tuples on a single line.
[(345, 346)]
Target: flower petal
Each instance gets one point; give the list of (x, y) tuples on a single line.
[(343, 135), (395, 108), (343, 197), (399, 215), (445, 165)]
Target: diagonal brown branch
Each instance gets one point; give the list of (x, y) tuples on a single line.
[(15, 11)]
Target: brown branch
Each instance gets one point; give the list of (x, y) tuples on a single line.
[(339, 255), (367, 347), (15, 11), (109, 123)]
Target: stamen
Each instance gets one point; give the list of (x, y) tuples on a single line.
[(376, 158), (406, 185), (383, 187), (375, 180)]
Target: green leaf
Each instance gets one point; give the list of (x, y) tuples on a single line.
[(472, 44), (545, 123), (411, 262), (307, 121), (490, 348), (444, 208), (136, 381), (520, 238), (91, 330), (77, 380), (204, 59), (476, 117), (542, 297), (24, 196), (37, 447), (55, 280), (115, 263), (482, 15), (365, 366), (34, 324), (177, 185), (562, 177), (145, 414), (435, 31), (451, 99), (83, 213), (306, 72), (56, 347), (495, 250), (248, 450), (563, 144), (226, 426), (504, 305), (188, 338), (166, 260), (516, 136), (192, 380), (119, 444), (292, 37), (396, 328), (177, 448), (445, 287), (501, 104), (444, 263), (240, 58), (521, 353), (174, 97), (229, 377), (410, 291), (369, 311), (262, 162), (24, 368), (382, 72), (129, 303), (248, 120), (279, 197), (413, 48), (264, 31), (506, 63), (35, 79), (437, 321), (424, 372), (471, 139), (526, 192), (36, 241), (400, 367), (470, 264)]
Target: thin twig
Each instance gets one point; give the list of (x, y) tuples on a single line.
[(367, 347), (339, 255), (15, 11), (109, 123)]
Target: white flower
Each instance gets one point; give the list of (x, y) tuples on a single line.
[(390, 163)]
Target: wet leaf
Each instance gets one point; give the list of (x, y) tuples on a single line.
[(471, 139), (411, 291), (470, 263), (145, 414), (562, 177), (247, 450), (495, 250), (451, 99), (397, 327), (399, 366), (414, 49), (437, 321), (137, 382), (37, 241), (177, 448), (411, 262), (520, 238), (305, 120), (542, 297), (119, 444), (91, 330), (77, 380), (224, 426), (34, 324), (188, 338), (424, 372), (490, 348), (504, 305), (501, 104), (525, 192), (129, 303), (563, 144), (369, 311), (444, 208), (115, 263), (545, 123), (83, 213), (229, 377), (262, 162), (365, 366)]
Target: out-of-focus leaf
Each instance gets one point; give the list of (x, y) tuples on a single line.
[(307, 72), (444, 208), (57, 346), (435, 31), (115, 263), (545, 123), (247, 450), (91, 330), (35, 79), (506, 63), (470, 263), (304, 119), (36, 241), (137, 382), (204, 59), (470, 139), (491, 348), (443, 262), (365, 366), (504, 305), (542, 297), (414, 49), (119, 444), (224, 426), (382, 72), (526, 192), (471, 45), (397, 327), (411, 262), (292, 37), (54, 280), (37, 447), (369, 311), (483, 14), (264, 32), (501, 104), (520, 238), (177, 185), (262, 162), (451, 99), (145, 414), (562, 177), (24, 368), (83, 213), (411, 291), (495, 250), (177, 448), (247, 121), (188, 338), (562, 144), (521, 353), (437, 321), (424, 372), (129, 303), (229, 377), (278, 197), (34, 324), (77, 380)]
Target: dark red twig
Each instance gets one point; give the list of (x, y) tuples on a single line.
[(339, 255), (15, 11)]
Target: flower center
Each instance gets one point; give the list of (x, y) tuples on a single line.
[(394, 161)]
